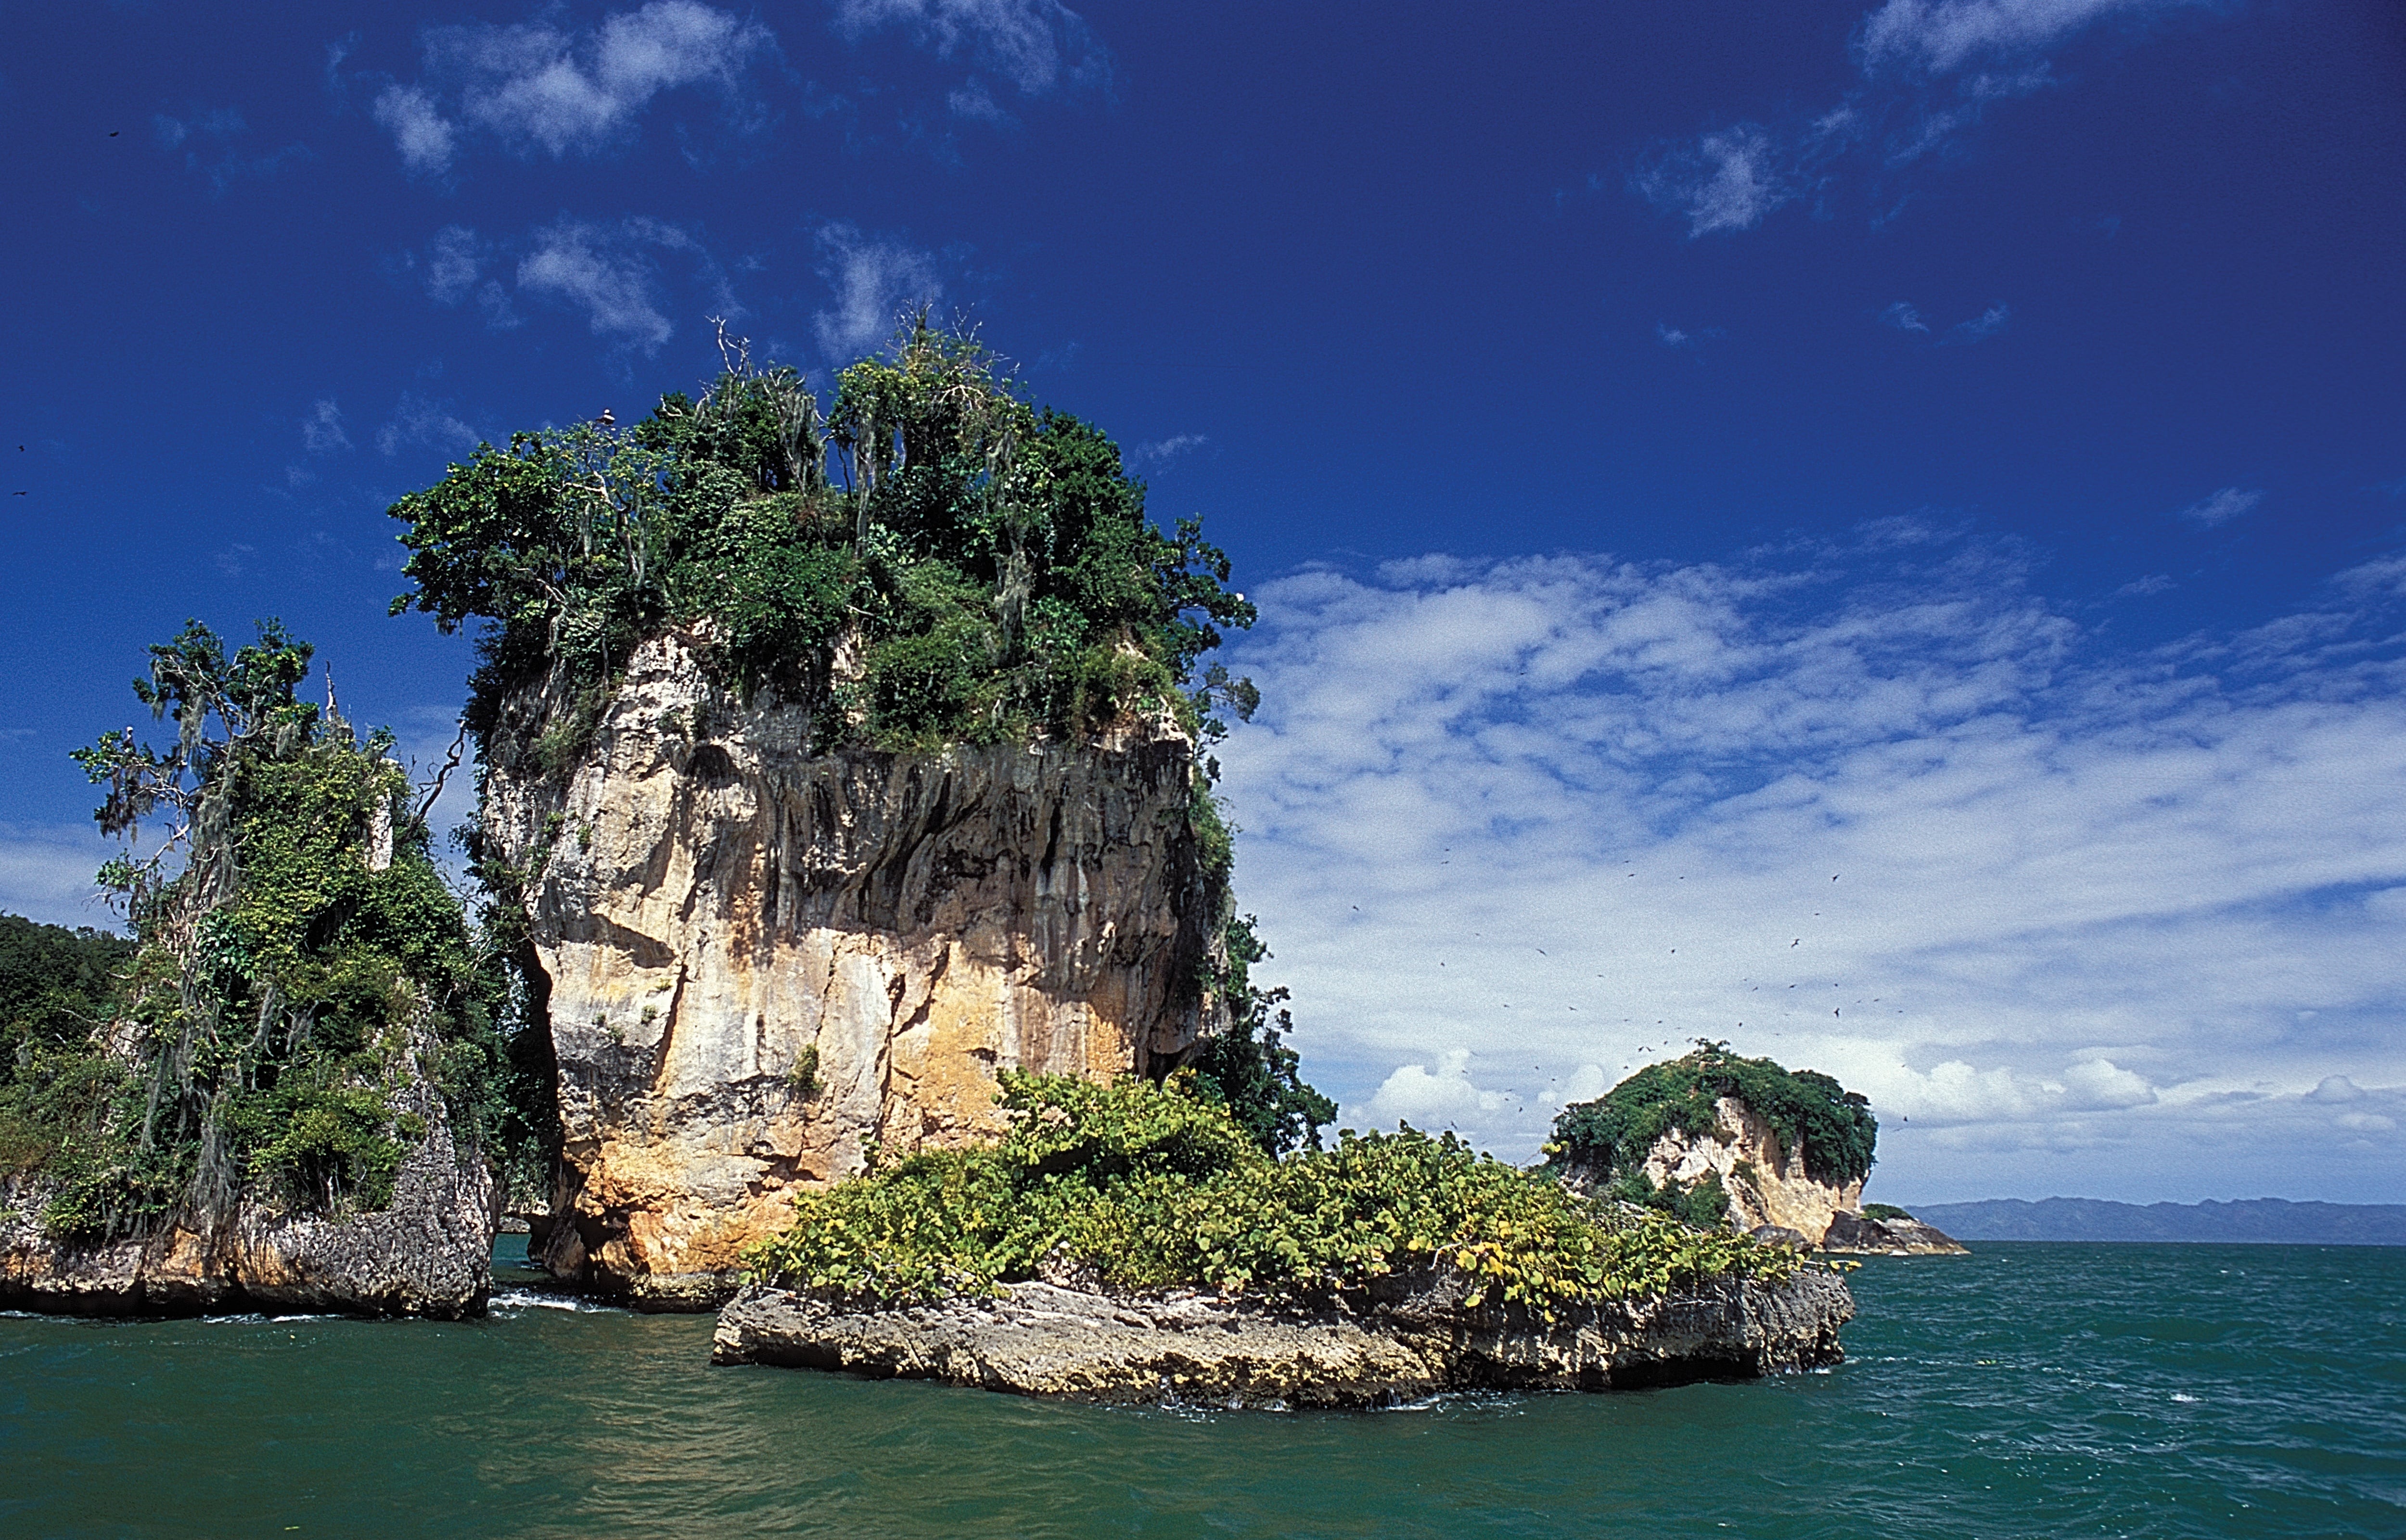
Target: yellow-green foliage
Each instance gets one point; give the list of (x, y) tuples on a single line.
[(1156, 1186)]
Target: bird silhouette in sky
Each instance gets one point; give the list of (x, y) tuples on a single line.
[(605, 420)]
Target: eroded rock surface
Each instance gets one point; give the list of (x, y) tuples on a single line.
[(1765, 1184), (1040, 1339), (1859, 1236), (428, 1253), (762, 962)]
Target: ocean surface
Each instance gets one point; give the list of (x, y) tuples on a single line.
[(2029, 1390)]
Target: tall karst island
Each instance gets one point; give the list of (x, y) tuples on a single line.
[(857, 952), (830, 767)]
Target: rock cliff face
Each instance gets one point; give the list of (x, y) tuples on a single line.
[(428, 1253), (1765, 1186), (762, 963), (1408, 1341)]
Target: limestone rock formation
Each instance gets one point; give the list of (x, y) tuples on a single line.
[(428, 1253), (764, 964), (1859, 1235), (1767, 1185), (1408, 1341)]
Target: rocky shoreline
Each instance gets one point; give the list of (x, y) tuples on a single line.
[(1407, 1341)]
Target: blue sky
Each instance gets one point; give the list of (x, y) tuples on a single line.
[(1686, 452)]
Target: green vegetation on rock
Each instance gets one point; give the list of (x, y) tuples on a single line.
[(1138, 1186), (1884, 1212), (297, 963), (1605, 1141), (1247, 1067), (930, 561)]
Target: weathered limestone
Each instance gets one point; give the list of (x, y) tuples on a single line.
[(1765, 1185), (428, 1253), (762, 962), (1859, 1236), (1405, 1342)]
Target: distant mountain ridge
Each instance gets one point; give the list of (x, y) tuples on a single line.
[(2275, 1221)]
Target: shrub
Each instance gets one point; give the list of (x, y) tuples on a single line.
[(1157, 1186)]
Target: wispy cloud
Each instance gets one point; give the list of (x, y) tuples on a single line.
[(1988, 323), (1905, 317), (873, 280), (1512, 827), (208, 140), (1929, 38), (1675, 336), (2222, 507), (539, 88), (1038, 46), (1727, 181), (1929, 71), (1161, 452), (610, 273), (2142, 588), (322, 429), (423, 422), (453, 268)]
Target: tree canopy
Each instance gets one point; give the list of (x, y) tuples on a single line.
[(987, 565)]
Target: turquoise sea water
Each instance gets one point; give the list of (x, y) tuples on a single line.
[(2031, 1389)]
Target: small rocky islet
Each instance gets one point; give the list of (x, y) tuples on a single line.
[(844, 815)]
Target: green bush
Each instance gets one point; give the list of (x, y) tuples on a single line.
[(1609, 1138), (1150, 1187), (1884, 1212)]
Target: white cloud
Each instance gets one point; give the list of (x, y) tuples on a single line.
[(428, 141), (207, 139), (609, 274), (1930, 70), (1160, 452), (454, 261), (1941, 37), (1986, 324), (1443, 1098), (419, 422), (1905, 317), (322, 429), (1727, 181), (2222, 507), (2154, 582), (1673, 337), (45, 874), (539, 88), (874, 281), (1505, 820), (1038, 46)]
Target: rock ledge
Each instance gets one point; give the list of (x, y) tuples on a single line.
[(1410, 1341)]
